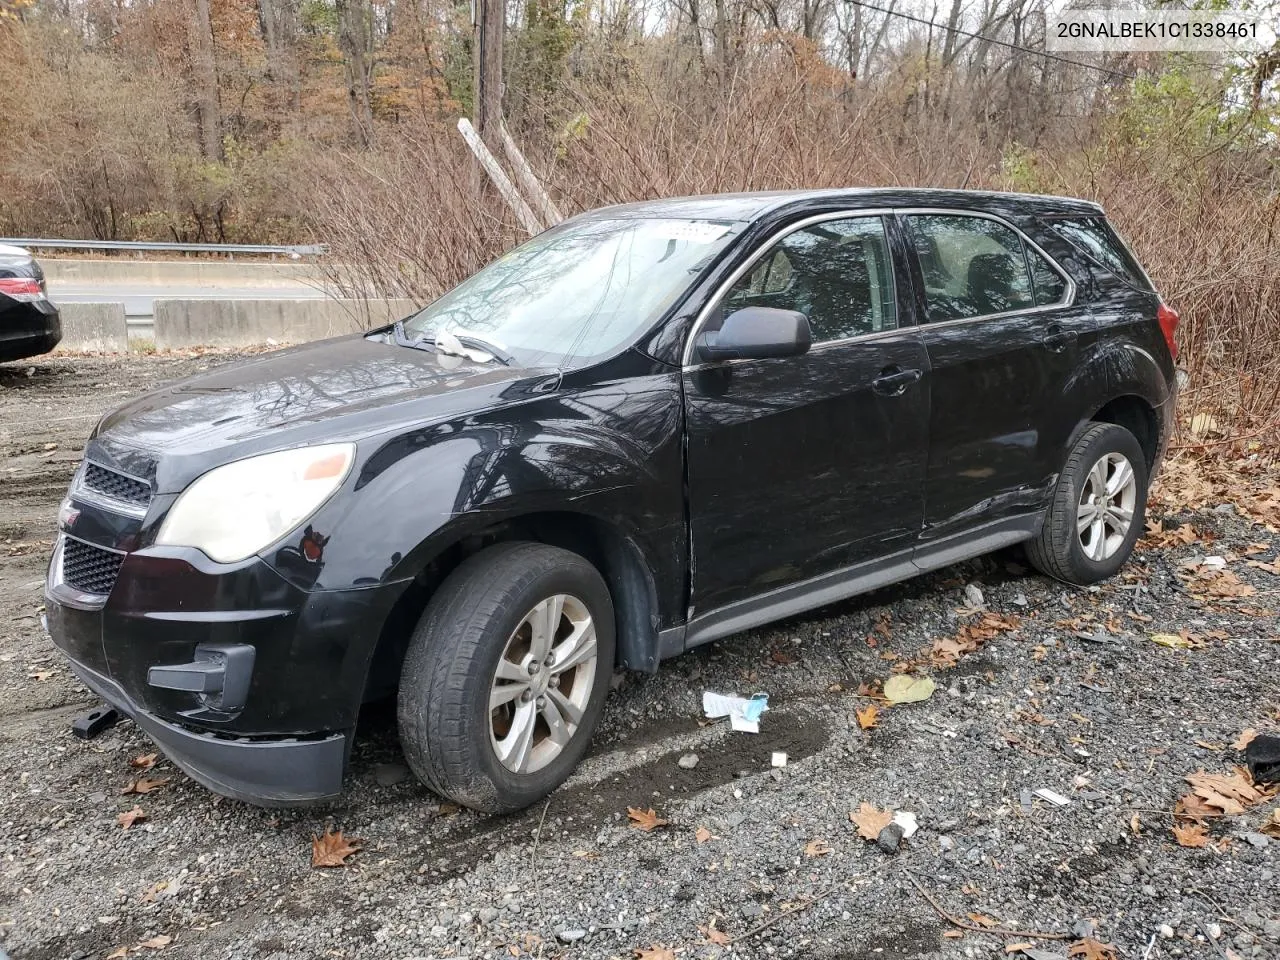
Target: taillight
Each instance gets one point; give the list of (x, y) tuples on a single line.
[(1168, 318), (21, 288)]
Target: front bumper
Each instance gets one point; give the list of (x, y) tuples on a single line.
[(270, 720), (288, 772)]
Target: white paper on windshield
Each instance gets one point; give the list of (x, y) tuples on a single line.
[(691, 230)]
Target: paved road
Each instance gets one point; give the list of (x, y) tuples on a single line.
[(139, 297)]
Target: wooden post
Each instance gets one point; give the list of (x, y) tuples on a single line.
[(529, 180), (500, 180), (490, 19)]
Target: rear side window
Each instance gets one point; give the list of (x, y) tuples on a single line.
[(1096, 237), (972, 266), (1048, 285)]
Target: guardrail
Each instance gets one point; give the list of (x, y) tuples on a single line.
[(294, 251)]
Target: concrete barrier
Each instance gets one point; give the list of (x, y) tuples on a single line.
[(239, 323), (94, 327), (189, 273)]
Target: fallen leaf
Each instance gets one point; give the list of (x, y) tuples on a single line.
[(953, 934), (870, 820), (40, 675), (645, 820), (1171, 640), (718, 937), (586, 854), (144, 761), (332, 849), (1271, 827), (144, 785), (449, 809), (702, 834), (157, 943), (1135, 824), (905, 689), (119, 953), (982, 920), (655, 952), (130, 817), (1246, 737), (1190, 835), (868, 716), (1091, 949), (780, 656), (1229, 792), (816, 847), (1191, 807)]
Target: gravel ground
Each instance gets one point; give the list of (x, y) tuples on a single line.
[(1110, 720)]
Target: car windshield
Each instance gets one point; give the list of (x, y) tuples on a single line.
[(579, 291)]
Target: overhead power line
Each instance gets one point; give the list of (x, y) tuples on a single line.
[(1226, 96), (993, 40)]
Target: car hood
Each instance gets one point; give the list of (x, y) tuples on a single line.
[(342, 389)]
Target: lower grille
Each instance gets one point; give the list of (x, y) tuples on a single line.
[(89, 568)]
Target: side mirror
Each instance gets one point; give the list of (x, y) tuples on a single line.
[(756, 333)]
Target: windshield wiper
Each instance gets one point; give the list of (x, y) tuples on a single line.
[(466, 339), (479, 343)]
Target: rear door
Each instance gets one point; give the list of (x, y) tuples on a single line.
[(805, 465), (1002, 337)]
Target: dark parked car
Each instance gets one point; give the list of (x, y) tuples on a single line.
[(652, 426), (29, 323)]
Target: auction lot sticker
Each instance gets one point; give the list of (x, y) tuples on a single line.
[(1150, 30)]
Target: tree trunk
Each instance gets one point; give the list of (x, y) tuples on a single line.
[(355, 39), (205, 74), (490, 26), (279, 21)]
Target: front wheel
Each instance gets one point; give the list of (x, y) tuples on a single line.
[(1098, 509), (506, 676)]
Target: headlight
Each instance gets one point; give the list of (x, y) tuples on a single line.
[(234, 511)]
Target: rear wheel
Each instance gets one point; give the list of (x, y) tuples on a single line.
[(506, 676), (1098, 509)]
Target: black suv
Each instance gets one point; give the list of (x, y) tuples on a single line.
[(652, 426)]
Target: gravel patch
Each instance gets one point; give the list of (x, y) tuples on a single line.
[(1074, 699)]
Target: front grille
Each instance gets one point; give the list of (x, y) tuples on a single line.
[(117, 486), (89, 568)]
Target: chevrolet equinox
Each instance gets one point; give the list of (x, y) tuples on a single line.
[(652, 426)]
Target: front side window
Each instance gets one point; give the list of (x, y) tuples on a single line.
[(837, 273), (972, 266), (580, 291)]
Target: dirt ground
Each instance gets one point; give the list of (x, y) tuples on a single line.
[(1051, 687)]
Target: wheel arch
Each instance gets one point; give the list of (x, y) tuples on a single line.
[(618, 557), (1137, 415)]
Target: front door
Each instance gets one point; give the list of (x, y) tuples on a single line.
[(1001, 337), (801, 466)]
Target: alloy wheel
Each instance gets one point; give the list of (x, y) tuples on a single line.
[(1107, 505), (542, 684)]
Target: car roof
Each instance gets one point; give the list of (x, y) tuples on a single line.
[(751, 206)]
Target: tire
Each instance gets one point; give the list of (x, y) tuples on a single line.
[(1065, 550), (493, 608)]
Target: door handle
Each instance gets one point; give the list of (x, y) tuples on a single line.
[(893, 381), (1056, 339)]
